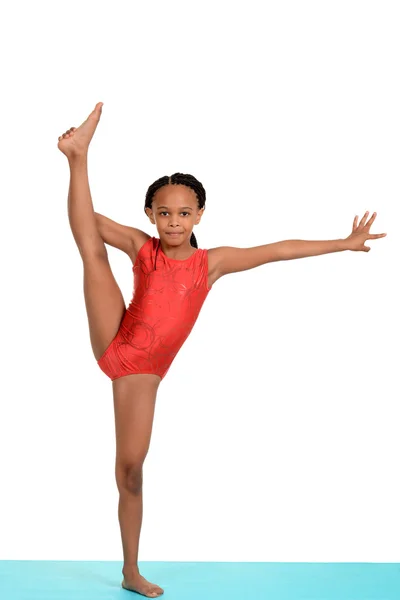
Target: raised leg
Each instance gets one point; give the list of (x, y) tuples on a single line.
[(105, 305), (134, 404), (104, 302)]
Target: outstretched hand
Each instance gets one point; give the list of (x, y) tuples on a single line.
[(360, 233)]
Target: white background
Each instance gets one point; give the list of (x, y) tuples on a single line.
[(276, 434)]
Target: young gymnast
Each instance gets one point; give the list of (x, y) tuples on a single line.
[(135, 346)]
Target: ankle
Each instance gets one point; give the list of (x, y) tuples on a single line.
[(130, 569), (78, 160)]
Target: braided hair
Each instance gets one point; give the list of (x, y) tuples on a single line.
[(175, 179)]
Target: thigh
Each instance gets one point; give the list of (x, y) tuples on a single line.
[(134, 405), (105, 304)]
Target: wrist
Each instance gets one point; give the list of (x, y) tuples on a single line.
[(343, 245)]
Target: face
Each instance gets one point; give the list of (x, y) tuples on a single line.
[(175, 209)]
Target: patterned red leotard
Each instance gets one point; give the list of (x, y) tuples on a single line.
[(168, 295)]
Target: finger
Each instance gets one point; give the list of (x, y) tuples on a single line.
[(371, 220), (374, 236), (362, 222), (355, 223)]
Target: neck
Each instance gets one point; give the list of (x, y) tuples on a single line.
[(179, 252)]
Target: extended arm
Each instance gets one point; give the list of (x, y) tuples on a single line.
[(232, 260)]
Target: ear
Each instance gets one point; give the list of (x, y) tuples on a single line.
[(149, 213), (199, 215)]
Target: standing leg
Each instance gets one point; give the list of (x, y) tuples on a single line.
[(134, 404)]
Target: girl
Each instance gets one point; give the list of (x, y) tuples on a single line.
[(135, 346)]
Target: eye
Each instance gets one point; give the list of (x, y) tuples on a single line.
[(164, 212)]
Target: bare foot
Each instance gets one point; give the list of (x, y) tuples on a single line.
[(75, 142), (136, 583)]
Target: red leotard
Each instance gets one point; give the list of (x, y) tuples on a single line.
[(168, 295)]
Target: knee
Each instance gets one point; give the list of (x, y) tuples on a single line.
[(130, 477)]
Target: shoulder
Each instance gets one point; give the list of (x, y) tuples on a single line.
[(139, 239), (215, 256)]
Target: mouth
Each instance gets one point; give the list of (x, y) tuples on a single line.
[(173, 234)]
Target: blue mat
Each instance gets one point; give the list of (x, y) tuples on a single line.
[(101, 580)]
